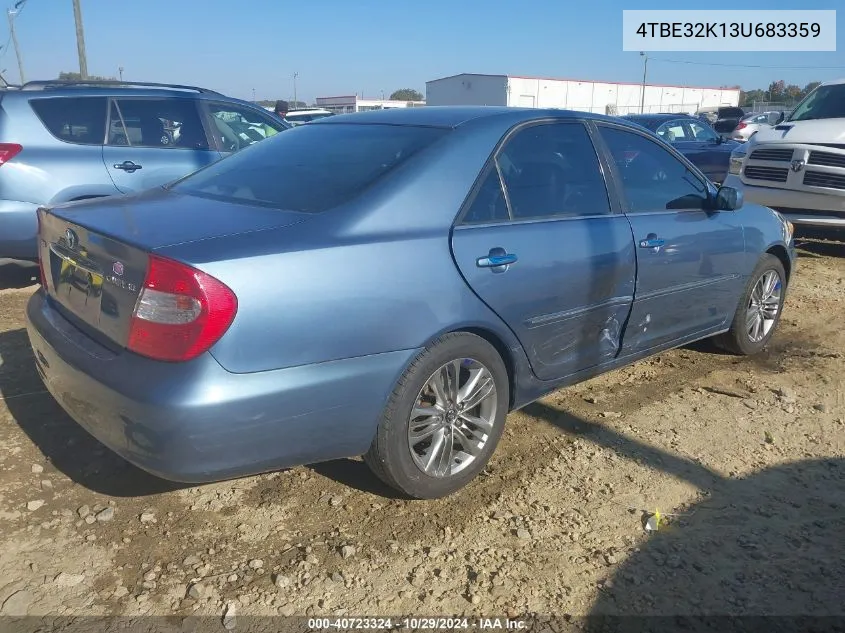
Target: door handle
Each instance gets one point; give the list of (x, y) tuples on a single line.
[(652, 241), (127, 165), (497, 258)]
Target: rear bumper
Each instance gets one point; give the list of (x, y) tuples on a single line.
[(799, 207), (18, 230), (195, 422)]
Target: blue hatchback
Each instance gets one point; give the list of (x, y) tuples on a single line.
[(62, 141), (696, 140), (390, 283)]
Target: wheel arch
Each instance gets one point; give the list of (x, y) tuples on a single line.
[(780, 252), (499, 343)]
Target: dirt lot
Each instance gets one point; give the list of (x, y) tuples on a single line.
[(748, 455)]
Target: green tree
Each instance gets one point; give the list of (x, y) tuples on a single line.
[(793, 92), (291, 104), (777, 90), (810, 87), (748, 97), (406, 94), (69, 76)]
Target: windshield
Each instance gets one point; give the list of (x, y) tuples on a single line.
[(825, 102), (310, 168)]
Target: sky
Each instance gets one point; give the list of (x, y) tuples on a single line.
[(342, 47)]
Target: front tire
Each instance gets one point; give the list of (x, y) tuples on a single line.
[(759, 310), (444, 418)]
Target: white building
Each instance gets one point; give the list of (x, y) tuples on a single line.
[(352, 103), (572, 94)]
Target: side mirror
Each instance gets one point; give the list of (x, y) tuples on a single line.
[(781, 118), (728, 199)]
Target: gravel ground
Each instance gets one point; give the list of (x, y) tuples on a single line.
[(744, 458)]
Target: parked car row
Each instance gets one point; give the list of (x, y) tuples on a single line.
[(264, 312)]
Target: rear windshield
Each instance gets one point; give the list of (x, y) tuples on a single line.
[(730, 113), (310, 168), (646, 122)]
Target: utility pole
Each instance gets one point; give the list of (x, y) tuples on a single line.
[(645, 71), (80, 41), (9, 14), (295, 75)]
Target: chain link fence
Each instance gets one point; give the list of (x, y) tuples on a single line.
[(769, 106)]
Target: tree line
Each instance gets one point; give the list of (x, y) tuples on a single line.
[(778, 91)]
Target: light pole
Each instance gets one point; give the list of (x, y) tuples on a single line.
[(645, 72), (80, 41), (253, 95), (120, 71), (295, 75), (9, 14)]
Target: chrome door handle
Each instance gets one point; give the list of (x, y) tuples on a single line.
[(493, 261)]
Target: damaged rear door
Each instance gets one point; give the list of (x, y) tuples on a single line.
[(541, 245)]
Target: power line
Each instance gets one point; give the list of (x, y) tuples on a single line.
[(5, 48), (678, 61), (19, 5)]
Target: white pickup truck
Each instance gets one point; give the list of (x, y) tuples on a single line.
[(797, 167)]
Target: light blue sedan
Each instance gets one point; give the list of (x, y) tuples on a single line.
[(390, 283)]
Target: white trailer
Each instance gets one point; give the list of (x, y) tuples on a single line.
[(573, 94)]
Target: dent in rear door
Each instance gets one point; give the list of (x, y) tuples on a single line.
[(563, 283), (153, 141)]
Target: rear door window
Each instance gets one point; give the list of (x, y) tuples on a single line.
[(161, 123), (79, 120), (673, 132), (552, 170), (310, 168)]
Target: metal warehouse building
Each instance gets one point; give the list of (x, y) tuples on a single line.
[(573, 94)]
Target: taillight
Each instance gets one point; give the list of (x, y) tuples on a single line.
[(40, 258), (180, 313), (8, 151), (741, 125)]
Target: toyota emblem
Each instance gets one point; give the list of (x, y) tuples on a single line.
[(71, 238)]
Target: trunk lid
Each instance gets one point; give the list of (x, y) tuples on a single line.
[(95, 254)]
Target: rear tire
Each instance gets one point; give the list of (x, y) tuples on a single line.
[(444, 418), (759, 309)]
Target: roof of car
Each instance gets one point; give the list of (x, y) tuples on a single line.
[(453, 116), (59, 87)]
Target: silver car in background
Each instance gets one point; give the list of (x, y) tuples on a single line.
[(753, 123)]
